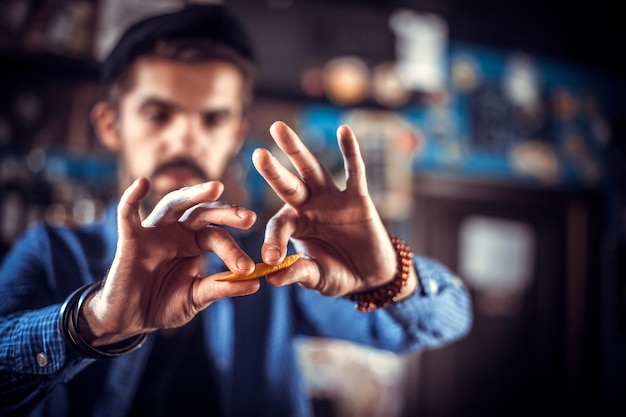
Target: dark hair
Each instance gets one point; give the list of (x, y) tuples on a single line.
[(196, 33), (189, 51)]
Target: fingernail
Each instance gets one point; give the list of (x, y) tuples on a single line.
[(242, 213), (272, 254), (244, 263)]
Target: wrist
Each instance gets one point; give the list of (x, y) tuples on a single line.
[(81, 340), (401, 286), (92, 327), (410, 286), (96, 323)]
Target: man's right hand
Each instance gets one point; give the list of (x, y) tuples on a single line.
[(156, 281)]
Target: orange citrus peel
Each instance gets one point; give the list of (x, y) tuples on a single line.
[(262, 269)]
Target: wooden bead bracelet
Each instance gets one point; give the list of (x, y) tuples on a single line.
[(384, 295)]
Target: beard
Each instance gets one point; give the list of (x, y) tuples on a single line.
[(172, 175)]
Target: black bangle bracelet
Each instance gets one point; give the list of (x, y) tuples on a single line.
[(68, 324), (64, 316)]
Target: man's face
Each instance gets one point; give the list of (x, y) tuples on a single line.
[(179, 124)]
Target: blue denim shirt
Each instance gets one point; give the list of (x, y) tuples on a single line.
[(249, 340)]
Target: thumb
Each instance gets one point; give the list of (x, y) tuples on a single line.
[(128, 209), (207, 290)]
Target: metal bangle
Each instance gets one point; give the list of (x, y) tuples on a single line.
[(68, 324)]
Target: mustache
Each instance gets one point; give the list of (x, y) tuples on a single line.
[(180, 163)]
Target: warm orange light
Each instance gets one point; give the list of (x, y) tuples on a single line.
[(346, 80), (387, 88)]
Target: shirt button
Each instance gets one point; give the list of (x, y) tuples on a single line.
[(42, 359), (434, 287)]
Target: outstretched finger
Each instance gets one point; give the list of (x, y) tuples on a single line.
[(308, 166), (128, 209), (287, 186), (171, 207), (217, 212), (356, 181)]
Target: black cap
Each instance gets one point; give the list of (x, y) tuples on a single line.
[(204, 21)]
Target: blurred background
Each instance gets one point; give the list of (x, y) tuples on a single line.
[(494, 137)]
